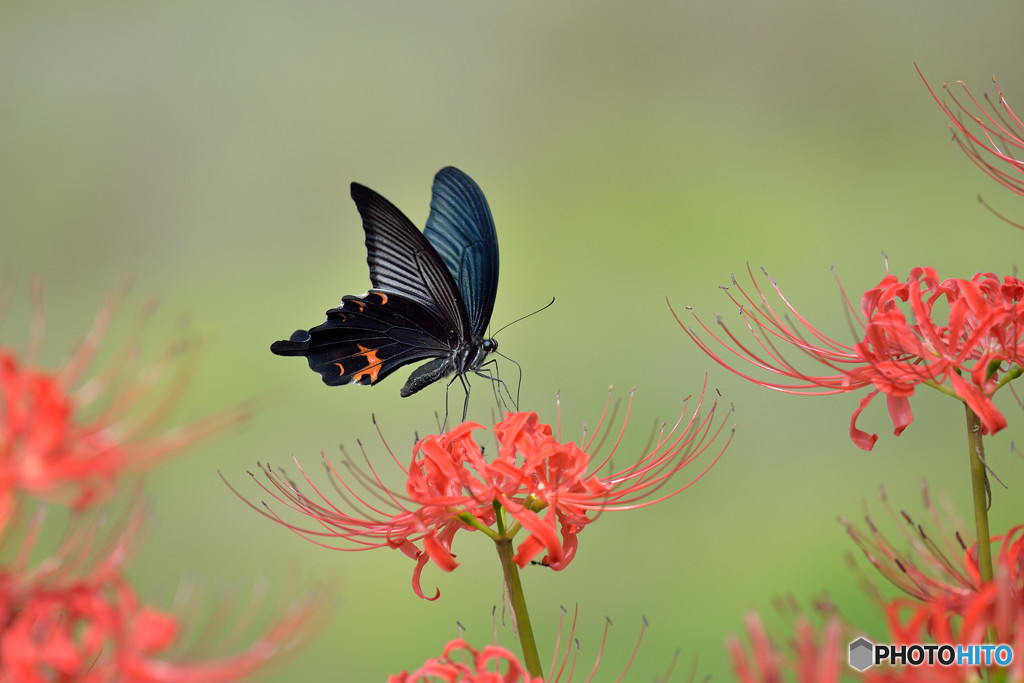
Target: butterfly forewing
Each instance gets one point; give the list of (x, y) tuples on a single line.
[(402, 261), (461, 229)]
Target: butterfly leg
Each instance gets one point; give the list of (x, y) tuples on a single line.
[(498, 385), (447, 386), (519, 384), (465, 405)]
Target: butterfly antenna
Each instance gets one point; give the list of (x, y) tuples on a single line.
[(544, 307)]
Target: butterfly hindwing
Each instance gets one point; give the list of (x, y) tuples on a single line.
[(461, 229), (368, 337)]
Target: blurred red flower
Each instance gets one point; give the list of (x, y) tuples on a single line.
[(71, 435), (946, 601), (74, 615), (813, 659), (67, 435)]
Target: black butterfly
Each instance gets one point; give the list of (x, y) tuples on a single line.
[(432, 297)]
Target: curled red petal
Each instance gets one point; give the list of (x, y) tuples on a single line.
[(417, 588), (862, 439)]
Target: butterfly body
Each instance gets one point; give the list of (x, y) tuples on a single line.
[(463, 360), (432, 297)]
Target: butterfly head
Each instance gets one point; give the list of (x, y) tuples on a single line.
[(471, 356)]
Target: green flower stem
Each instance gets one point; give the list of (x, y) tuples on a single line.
[(514, 589), (979, 478), (470, 520), (1013, 374), (976, 454), (980, 490)]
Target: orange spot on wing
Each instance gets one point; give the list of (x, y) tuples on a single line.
[(383, 298), (373, 366), (341, 368)]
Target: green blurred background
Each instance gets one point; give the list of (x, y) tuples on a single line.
[(629, 151)]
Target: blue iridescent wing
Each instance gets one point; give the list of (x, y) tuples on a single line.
[(461, 229)]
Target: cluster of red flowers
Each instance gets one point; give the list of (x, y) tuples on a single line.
[(76, 616), (945, 602), (535, 483), (963, 337), (960, 614), (975, 348), (72, 436)]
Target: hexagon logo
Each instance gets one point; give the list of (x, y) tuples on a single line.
[(861, 654)]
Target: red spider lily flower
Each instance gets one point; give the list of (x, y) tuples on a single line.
[(946, 600), (995, 141), (494, 664), (463, 663), (75, 616), (69, 433), (969, 352), (995, 607), (534, 482), (814, 659)]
